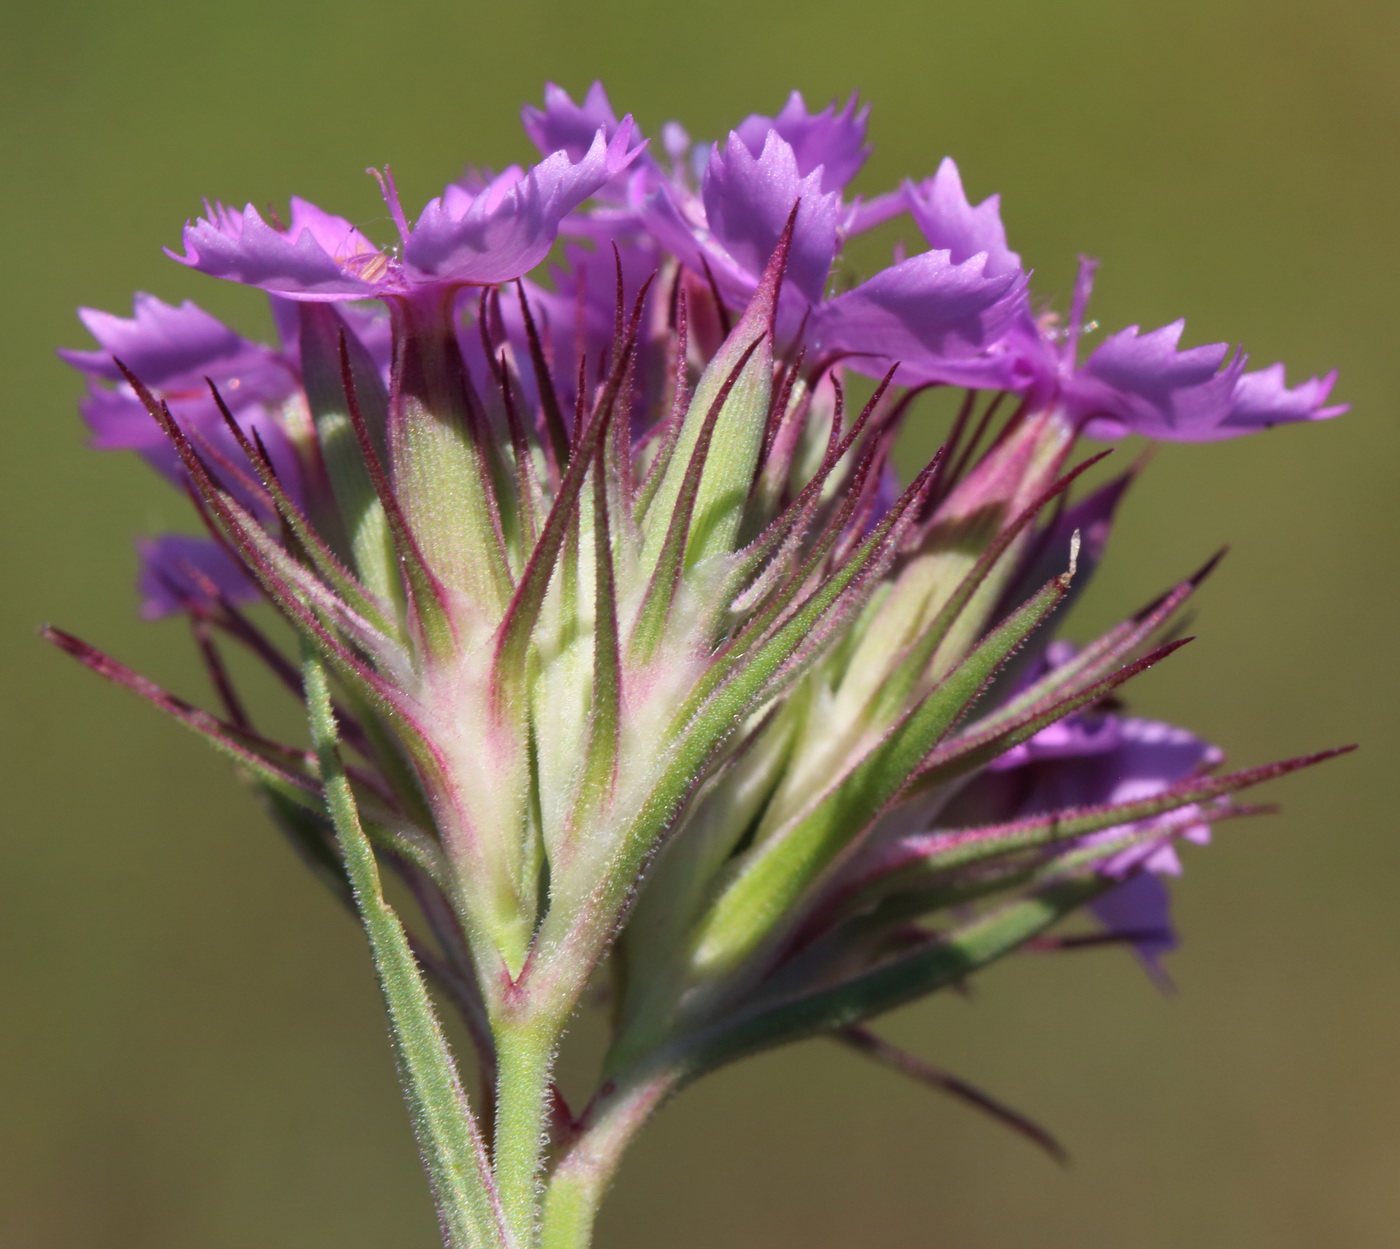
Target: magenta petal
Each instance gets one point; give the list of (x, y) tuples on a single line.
[(319, 256), (563, 126), (748, 200), (1142, 384), (932, 316), (158, 341), (1140, 906), (832, 141), (866, 214), (505, 229), (941, 210), (1263, 399)]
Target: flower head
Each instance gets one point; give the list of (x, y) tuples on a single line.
[(619, 639)]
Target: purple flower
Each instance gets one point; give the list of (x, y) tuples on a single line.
[(496, 233), (1141, 384), (621, 643), (563, 126), (1145, 383), (165, 342), (832, 140), (941, 210), (177, 352), (1100, 759), (316, 256), (938, 320), (469, 235)]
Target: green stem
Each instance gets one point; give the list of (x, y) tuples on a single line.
[(583, 1175), (525, 1054)]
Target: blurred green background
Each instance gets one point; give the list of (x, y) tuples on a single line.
[(192, 1054)]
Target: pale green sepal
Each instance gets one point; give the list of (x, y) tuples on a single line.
[(367, 526), (583, 925), (444, 461), (738, 433)]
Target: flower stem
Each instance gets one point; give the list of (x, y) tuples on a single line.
[(525, 1054), (581, 1177)]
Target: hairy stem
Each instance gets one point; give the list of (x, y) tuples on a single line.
[(525, 1052), (583, 1175)]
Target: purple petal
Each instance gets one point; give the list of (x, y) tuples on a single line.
[(503, 230), (748, 200), (1262, 399), (179, 571), (832, 141), (932, 316), (563, 126), (159, 342), (866, 214), (1137, 383), (176, 352), (941, 210), (1148, 757), (319, 256), (1140, 906), (1074, 738)]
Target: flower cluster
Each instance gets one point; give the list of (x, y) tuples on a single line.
[(620, 642)]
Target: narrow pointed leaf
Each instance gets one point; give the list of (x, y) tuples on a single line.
[(427, 596), (453, 1151), (877, 1049), (737, 434), (671, 559), (942, 962), (524, 610), (243, 748), (945, 850), (979, 746)]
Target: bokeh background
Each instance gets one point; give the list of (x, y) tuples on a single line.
[(192, 1056)]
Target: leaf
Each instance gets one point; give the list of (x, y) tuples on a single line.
[(246, 749), (513, 635), (877, 1049), (737, 430), (979, 745), (941, 962), (453, 1151), (1097, 660), (936, 853), (444, 460), (672, 557)]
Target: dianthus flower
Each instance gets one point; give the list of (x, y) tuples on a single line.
[(620, 643)]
